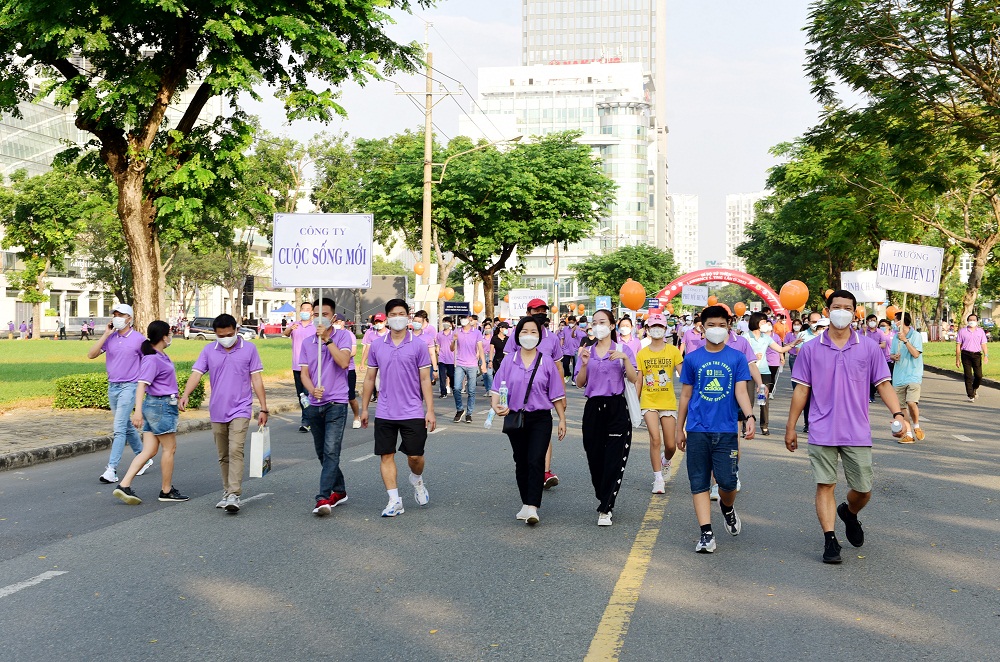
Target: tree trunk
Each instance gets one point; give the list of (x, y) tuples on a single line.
[(983, 249), (137, 215), (487, 278), (357, 309), (36, 308)]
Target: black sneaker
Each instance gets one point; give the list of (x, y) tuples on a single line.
[(733, 522), (303, 428), (831, 552), (855, 534), (706, 544), (458, 416), (127, 495), (443, 396), (173, 495), (468, 418)]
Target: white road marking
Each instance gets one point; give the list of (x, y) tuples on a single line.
[(14, 588), (362, 459), (962, 437), (257, 496)]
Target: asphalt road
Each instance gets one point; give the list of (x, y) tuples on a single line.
[(459, 579)]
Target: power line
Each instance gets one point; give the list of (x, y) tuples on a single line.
[(433, 27)]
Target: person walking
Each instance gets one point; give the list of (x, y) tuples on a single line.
[(534, 387), (328, 398), (907, 349), (445, 357), (712, 398), (970, 355), (693, 338), (23, 330), (872, 332), (626, 335), (423, 329), (122, 347), (340, 324), (761, 341), (810, 333), (10, 330), (299, 331), (467, 344), (234, 374), (790, 339), (61, 325), (569, 338), (156, 412), (656, 365), (494, 354), (400, 415), (836, 369), (487, 330)]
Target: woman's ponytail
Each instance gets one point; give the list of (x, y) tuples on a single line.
[(155, 332)]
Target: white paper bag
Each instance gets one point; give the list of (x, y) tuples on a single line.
[(631, 398), (260, 452)]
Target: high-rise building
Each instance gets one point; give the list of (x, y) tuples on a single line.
[(684, 211), (580, 31), (740, 213)]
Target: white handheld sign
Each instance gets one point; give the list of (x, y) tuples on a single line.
[(322, 250), (909, 268)]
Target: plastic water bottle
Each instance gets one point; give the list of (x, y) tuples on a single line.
[(503, 394), (762, 395), (304, 399), (489, 419), (897, 426)]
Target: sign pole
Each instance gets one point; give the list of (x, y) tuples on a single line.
[(319, 352)]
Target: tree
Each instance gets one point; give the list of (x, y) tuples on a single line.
[(189, 272), (605, 274), (42, 216), (122, 66)]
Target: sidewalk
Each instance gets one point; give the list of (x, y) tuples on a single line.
[(33, 436)]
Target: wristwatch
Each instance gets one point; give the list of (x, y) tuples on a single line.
[(898, 413), (327, 341)]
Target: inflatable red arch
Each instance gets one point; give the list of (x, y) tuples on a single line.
[(755, 285)]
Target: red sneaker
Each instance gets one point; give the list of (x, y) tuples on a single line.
[(336, 498), (322, 507), (551, 480)]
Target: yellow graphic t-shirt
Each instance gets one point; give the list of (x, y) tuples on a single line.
[(657, 372)]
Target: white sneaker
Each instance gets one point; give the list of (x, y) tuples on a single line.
[(420, 494), (603, 519), (356, 425), (222, 504), (393, 508), (665, 464), (148, 464), (659, 487), (109, 475), (532, 517), (233, 503), (739, 485), (714, 494), (523, 513)]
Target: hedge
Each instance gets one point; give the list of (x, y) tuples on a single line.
[(90, 391)]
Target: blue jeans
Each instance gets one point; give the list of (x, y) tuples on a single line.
[(712, 452), (121, 397), (488, 379), (327, 427), (463, 374)]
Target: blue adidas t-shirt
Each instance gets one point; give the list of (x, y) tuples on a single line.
[(713, 376)]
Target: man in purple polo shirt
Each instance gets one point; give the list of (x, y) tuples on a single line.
[(837, 370), (467, 343), (300, 330), (445, 357), (123, 346), (234, 369), (406, 389), (423, 329), (325, 359), (693, 338)]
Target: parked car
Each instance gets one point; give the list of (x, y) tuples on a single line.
[(201, 328)]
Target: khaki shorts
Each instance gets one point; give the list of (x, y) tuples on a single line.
[(908, 393), (664, 413), (857, 465)]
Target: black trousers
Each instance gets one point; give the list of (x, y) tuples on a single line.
[(972, 365), (529, 445), (769, 382), (569, 364), (607, 437), (446, 370)]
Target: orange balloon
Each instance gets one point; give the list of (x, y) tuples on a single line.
[(670, 308), (632, 295), (418, 268), (826, 312), (860, 312), (890, 313), (793, 294), (506, 298), (449, 293), (581, 308), (739, 308), (477, 307), (713, 300), (826, 295)]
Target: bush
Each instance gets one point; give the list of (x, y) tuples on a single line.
[(90, 391)]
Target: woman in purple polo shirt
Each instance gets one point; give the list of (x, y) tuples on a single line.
[(533, 407), (971, 354), (156, 412), (607, 427)]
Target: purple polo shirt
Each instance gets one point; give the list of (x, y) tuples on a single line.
[(443, 340), (549, 344), (372, 333), (789, 339), (692, 341), (229, 375), (124, 354), (604, 375), (428, 335), (334, 378), (971, 340), (839, 379), (741, 344), (158, 373), (773, 357), (465, 347), (571, 337), (399, 396), (298, 334), (547, 388), (635, 344)]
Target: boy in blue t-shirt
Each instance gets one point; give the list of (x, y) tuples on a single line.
[(709, 405)]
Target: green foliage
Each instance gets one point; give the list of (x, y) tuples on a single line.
[(90, 391), (605, 274)]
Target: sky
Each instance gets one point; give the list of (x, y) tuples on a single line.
[(735, 88)]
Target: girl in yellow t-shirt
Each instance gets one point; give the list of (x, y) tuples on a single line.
[(657, 363)]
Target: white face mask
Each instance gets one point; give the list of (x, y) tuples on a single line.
[(841, 319), (398, 323), (417, 326), (323, 321), (765, 328), (339, 326), (657, 332), (716, 334), (305, 315), (602, 331), (446, 326), (528, 342), (464, 322), (872, 324), (973, 324), (625, 330), (379, 326), (119, 323), (796, 328), (228, 341)]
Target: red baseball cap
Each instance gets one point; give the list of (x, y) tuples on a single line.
[(537, 303), (380, 317)]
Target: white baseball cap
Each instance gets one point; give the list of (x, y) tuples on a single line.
[(823, 321), (124, 309)]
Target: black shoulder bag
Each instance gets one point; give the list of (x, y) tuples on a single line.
[(515, 419)]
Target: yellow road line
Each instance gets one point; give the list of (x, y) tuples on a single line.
[(607, 643)]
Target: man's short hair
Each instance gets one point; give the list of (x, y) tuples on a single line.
[(714, 312), (392, 304), (842, 294), (325, 302), (907, 320), (224, 321)]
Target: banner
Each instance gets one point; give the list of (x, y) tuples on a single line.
[(519, 300), (755, 306), (862, 284), (603, 303), (910, 268), (695, 295), (457, 309), (322, 250), (652, 303)]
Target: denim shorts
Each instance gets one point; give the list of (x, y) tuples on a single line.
[(712, 452), (158, 415)]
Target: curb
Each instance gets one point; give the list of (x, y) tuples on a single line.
[(27, 458), (992, 383)]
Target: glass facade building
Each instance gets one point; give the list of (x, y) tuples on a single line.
[(33, 140)]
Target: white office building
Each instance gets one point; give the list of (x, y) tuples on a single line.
[(684, 210), (740, 213)]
